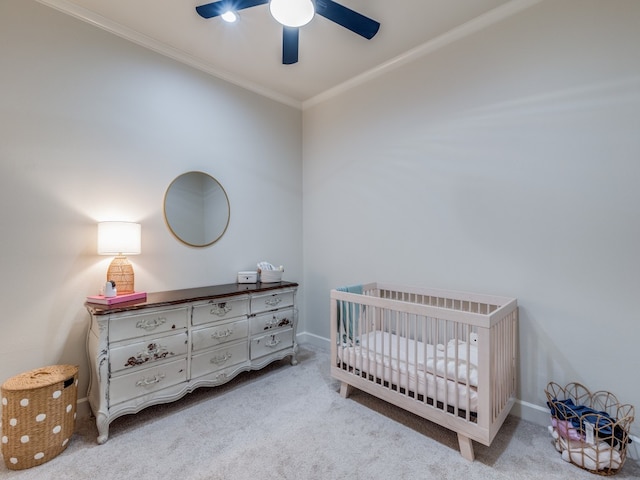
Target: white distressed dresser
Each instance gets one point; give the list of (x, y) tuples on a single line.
[(158, 350)]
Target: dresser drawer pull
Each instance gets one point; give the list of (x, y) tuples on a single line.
[(145, 382), (270, 323), (148, 324), (221, 359), (222, 334), (273, 342), (221, 309), (273, 301)]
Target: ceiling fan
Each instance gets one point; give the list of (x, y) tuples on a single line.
[(293, 14)]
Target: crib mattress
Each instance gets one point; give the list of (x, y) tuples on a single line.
[(447, 373)]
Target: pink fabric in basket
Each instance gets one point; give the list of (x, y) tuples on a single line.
[(565, 429)]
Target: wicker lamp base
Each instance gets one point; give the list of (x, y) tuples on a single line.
[(121, 272)]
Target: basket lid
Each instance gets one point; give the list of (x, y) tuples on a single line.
[(40, 377)]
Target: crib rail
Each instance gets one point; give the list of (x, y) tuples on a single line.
[(450, 299)]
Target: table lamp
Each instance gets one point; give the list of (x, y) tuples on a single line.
[(120, 239)]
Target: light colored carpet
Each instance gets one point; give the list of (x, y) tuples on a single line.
[(289, 422)]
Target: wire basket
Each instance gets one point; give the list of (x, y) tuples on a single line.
[(591, 430), (38, 415)]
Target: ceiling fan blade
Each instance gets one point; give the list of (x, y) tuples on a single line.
[(349, 19), (290, 39), (218, 8)]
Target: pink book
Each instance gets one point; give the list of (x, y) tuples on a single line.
[(126, 297)]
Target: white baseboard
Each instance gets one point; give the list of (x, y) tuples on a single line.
[(531, 412), (314, 340), (82, 408)]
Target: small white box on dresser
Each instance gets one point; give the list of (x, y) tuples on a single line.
[(247, 277)]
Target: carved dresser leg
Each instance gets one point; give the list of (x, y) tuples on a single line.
[(294, 359), (102, 422)]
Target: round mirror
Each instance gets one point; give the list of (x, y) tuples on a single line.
[(196, 209)]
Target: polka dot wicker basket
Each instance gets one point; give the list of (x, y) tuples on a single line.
[(38, 415)]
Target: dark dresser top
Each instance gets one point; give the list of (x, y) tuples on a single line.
[(176, 297)]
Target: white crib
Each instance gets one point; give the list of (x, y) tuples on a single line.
[(449, 357)]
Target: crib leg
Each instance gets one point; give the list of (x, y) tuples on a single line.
[(466, 447), (345, 389)]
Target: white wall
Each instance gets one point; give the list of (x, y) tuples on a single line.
[(93, 127), (506, 163)]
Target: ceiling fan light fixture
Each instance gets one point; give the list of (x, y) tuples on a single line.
[(229, 16), (292, 13)]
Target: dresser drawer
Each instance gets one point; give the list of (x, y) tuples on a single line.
[(273, 342), (149, 380), (148, 323), (271, 301), (219, 334), (213, 360), (220, 309), (152, 350), (268, 321)]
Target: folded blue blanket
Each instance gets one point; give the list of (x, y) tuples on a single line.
[(348, 314), (605, 427)]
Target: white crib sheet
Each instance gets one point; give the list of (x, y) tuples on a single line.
[(436, 372)]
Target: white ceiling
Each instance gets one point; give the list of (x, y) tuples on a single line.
[(331, 58)]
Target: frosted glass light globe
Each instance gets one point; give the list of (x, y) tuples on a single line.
[(292, 13)]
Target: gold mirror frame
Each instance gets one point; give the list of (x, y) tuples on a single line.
[(196, 209)]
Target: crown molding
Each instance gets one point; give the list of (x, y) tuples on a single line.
[(479, 23), (163, 49)]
